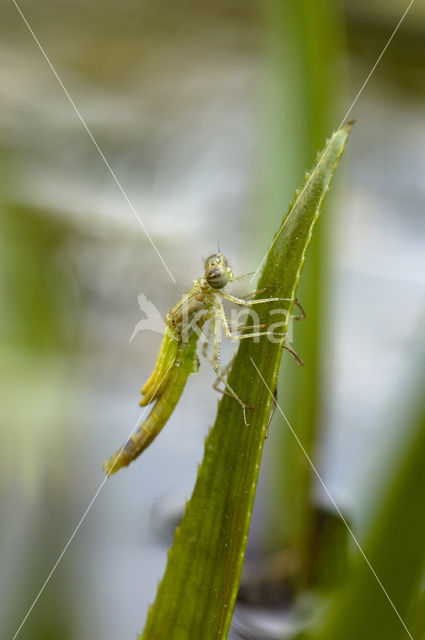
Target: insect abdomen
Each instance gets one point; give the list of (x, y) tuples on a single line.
[(185, 363), (155, 385)]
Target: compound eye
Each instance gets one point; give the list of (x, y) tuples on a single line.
[(217, 278), (216, 271), (213, 260)]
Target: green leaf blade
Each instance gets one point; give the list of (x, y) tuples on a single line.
[(197, 594)]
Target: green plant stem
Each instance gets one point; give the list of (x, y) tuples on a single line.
[(302, 98), (197, 594)]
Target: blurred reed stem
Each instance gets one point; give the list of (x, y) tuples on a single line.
[(303, 88), (394, 543)]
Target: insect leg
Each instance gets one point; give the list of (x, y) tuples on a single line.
[(292, 351), (256, 334), (222, 316), (301, 315), (249, 303), (217, 381), (254, 293), (241, 327), (216, 363), (243, 277), (223, 371), (230, 335)]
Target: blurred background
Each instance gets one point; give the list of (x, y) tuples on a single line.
[(209, 114)]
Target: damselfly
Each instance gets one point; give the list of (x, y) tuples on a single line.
[(177, 357)]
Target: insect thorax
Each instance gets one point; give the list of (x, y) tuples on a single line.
[(193, 305)]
